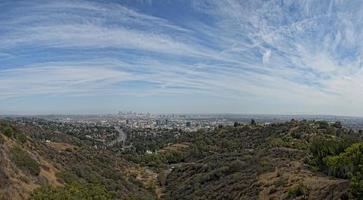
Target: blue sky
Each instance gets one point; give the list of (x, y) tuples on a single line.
[(212, 56)]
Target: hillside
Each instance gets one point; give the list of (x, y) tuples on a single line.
[(29, 164), (292, 160), (253, 162)]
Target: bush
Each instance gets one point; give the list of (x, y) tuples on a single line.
[(281, 182), (74, 191), (67, 177), (8, 131), (21, 137), (162, 178), (2, 140), (338, 125), (296, 191), (323, 124), (236, 166), (173, 157), (322, 147), (137, 197), (349, 165), (23, 160)]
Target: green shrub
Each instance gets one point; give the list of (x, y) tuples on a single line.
[(74, 191), (338, 125), (21, 137), (2, 140), (67, 177), (349, 165), (281, 182), (173, 157), (23, 160), (296, 191), (162, 178), (294, 141), (137, 197), (322, 147), (7, 131), (236, 166), (323, 124)]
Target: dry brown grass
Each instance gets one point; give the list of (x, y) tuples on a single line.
[(174, 147), (61, 146), (275, 185)]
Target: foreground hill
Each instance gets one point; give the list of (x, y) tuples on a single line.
[(35, 163), (254, 162), (292, 160)]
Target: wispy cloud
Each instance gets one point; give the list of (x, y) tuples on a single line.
[(306, 53), (59, 78)]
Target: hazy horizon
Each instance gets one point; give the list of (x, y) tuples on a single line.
[(234, 115), (262, 57)]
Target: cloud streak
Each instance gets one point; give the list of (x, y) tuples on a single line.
[(302, 53)]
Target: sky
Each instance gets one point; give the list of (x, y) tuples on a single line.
[(181, 56)]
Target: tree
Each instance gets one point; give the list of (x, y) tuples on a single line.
[(337, 125)]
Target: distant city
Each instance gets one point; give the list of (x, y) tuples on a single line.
[(187, 122)]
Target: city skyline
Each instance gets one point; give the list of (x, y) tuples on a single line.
[(256, 57)]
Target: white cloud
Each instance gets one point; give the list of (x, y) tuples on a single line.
[(266, 56), (59, 78), (303, 52)]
